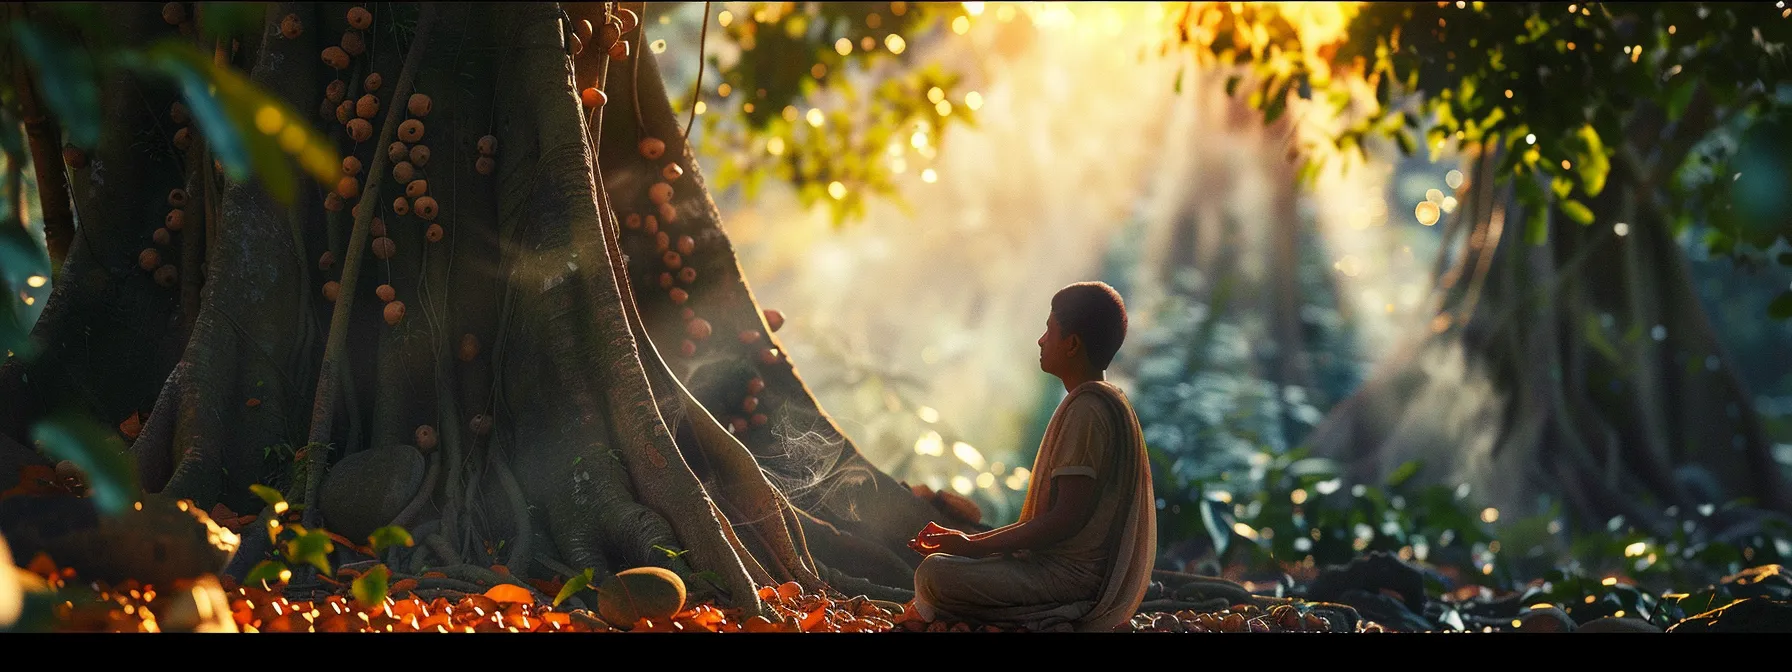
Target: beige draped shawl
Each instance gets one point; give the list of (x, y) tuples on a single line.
[(1096, 579)]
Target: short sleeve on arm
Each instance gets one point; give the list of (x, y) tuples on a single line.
[(1086, 442)]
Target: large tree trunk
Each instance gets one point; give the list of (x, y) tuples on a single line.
[(538, 340), (1583, 369)]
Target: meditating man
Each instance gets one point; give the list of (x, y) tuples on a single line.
[(1080, 557)]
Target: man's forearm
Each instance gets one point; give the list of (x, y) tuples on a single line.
[(1035, 533)]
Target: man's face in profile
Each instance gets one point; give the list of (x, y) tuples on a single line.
[(1053, 347)]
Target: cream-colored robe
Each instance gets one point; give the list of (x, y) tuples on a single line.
[(1091, 582)]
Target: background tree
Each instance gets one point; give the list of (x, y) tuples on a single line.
[(1593, 132)]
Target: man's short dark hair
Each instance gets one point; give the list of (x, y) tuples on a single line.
[(1094, 311)]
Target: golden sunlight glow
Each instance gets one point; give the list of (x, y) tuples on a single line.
[(973, 8), (935, 95), (973, 100), (895, 43), (843, 46), (1427, 212), (1490, 514), (928, 414), (701, 107), (36, 280), (1635, 549), (929, 176), (775, 146), (943, 107), (725, 18), (814, 117), (930, 444), (837, 190), (968, 455), (985, 480), (269, 120), (962, 485), (961, 25), (1453, 179)]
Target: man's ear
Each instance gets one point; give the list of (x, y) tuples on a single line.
[(1076, 345)]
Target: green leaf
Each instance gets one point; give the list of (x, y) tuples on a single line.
[(1594, 166), (671, 554), (310, 547), (1577, 211), (573, 586), (1781, 308), (370, 588), (1403, 473), (388, 537), (267, 494), (66, 78), (98, 452), (266, 572)]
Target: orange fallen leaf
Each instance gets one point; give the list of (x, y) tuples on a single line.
[(42, 565), (252, 402), (132, 426), (434, 575), (505, 592), (501, 570), (404, 586)]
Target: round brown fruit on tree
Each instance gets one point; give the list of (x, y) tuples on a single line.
[(418, 104), (394, 313), (609, 36), (485, 165), (183, 139), (668, 214), (167, 275), (178, 114), (149, 259), (687, 275), (401, 206), (360, 18), (385, 292), (345, 111), (351, 166), (75, 158), (336, 58), (592, 97), (629, 19), (175, 220), (632, 221), (416, 188), (488, 145), (333, 202), (756, 385), (679, 296), (434, 233), (672, 172), (749, 335), (411, 130), (687, 348), (161, 236), (291, 27), (583, 29), (331, 289), (699, 329), (469, 347), (749, 404), (348, 187), (384, 248), (619, 51), (360, 130), (403, 171), (665, 281), (687, 313), (481, 424), (174, 13), (759, 419), (671, 260), (367, 106), (377, 227), (650, 225), (652, 148), (661, 243), (426, 207), (774, 319), (177, 197), (419, 156), (426, 438), (686, 245), (738, 426), (353, 43), (372, 82), (336, 91), (397, 153), (326, 260), (768, 356)]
